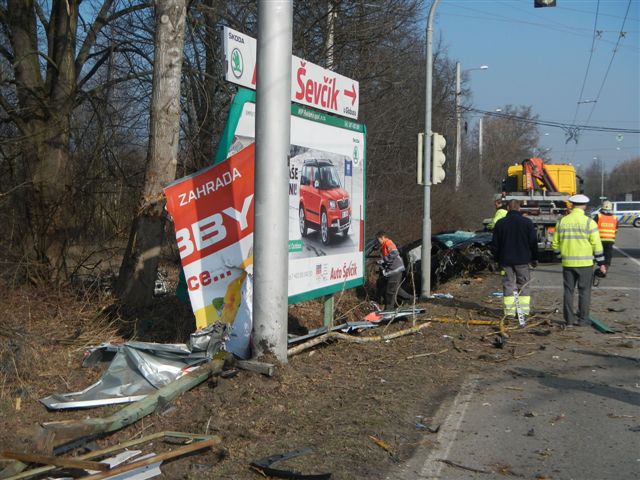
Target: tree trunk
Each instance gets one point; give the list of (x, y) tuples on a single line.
[(44, 119), (140, 264)]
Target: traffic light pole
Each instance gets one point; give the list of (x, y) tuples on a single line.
[(425, 291)]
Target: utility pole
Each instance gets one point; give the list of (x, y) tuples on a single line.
[(273, 133), (480, 146), (458, 133), (425, 291)]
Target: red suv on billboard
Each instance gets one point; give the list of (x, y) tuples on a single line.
[(324, 204)]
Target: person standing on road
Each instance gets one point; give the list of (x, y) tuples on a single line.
[(607, 227), (576, 242), (501, 212), (515, 247), (391, 268)]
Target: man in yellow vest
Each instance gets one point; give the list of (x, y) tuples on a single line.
[(607, 226), (576, 242), (501, 212)]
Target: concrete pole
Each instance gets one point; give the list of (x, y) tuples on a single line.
[(425, 291), (273, 126), (458, 132), (480, 147), (601, 179)]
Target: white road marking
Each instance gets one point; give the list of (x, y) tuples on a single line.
[(448, 431), (634, 260)]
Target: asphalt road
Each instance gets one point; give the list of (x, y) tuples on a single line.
[(571, 411)]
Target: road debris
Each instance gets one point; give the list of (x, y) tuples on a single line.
[(263, 466), (463, 467), (336, 335), (385, 446), (601, 327), (138, 369), (426, 354), (60, 435), (115, 465)]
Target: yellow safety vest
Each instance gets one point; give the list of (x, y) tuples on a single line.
[(577, 240), (500, 214)]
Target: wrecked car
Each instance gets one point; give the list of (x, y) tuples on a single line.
[(453, 253)]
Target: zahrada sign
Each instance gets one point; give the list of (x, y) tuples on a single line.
[(311, 84)]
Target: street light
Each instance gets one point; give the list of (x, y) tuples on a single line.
[(599, 159), (459, 120)]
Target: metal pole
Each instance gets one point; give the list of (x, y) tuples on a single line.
[(480, 146), (458, 132), (273, 125), (426, 221), (601, 179)]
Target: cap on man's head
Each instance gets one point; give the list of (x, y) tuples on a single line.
[(607, 206), (579, 199)]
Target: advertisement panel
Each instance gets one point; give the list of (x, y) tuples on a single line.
[(213, 212), (326, 198), (311, 84)]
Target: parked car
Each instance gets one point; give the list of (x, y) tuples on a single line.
[(324, 204)]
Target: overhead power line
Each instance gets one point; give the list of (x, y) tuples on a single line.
[(613, 54), (586, 73), (567, 127)]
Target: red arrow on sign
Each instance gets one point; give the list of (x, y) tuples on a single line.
[(351, 94)]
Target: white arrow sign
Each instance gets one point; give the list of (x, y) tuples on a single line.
[(311, 84)]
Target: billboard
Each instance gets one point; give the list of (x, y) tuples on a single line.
[(326, 196), (213, 212), (311, 84)]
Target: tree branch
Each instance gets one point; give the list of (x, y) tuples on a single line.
[(100, 21)]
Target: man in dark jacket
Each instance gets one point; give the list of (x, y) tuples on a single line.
[(515, 247)]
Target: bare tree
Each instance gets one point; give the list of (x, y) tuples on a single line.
[(140, 264), (51, 50), (624, 179), (508, 139)]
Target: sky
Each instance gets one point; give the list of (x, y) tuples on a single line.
[(543, 57)]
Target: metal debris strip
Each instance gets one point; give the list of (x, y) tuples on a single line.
[(139, 368), (372, 320), (264, 466)]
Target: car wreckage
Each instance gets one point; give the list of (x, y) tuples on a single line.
[(453, 254)]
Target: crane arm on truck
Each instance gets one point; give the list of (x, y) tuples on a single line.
[(534, 168)]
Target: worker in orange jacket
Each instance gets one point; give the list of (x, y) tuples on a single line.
[(391, 268), (607, 226)]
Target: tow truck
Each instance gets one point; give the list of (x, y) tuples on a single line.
[(543, 190)]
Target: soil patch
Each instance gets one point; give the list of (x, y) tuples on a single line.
[(362, 408)]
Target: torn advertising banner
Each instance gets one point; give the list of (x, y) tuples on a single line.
[(212, 212)]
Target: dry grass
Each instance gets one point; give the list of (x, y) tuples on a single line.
[(36, 323)]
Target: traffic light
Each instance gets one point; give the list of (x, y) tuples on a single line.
[(544, 3), (438, 158)]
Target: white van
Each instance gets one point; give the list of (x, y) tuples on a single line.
[(627, 213)]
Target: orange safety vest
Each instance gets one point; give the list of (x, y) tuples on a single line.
[(607, 224), (387, 247)]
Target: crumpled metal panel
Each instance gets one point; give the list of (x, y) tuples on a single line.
[(138, 368)]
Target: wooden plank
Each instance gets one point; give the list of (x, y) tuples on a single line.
[(114, 448), (267, 369), (65, 462), (156, 458)]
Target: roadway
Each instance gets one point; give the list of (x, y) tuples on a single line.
[(568, 412)]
